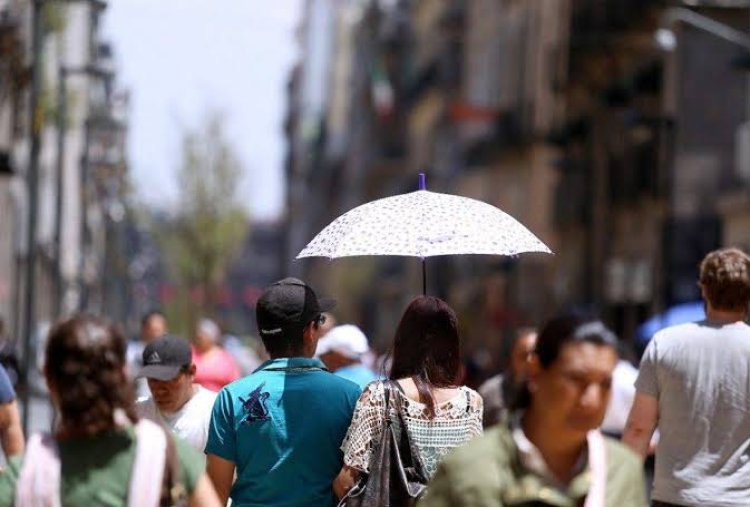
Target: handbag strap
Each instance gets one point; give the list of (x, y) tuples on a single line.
[(147, 471), (39, 479), (413, 455), (387, 397), (598, 464)]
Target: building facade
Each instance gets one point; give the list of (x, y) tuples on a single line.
[(565, 114)]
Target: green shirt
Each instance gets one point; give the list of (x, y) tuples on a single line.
[(96, 471), (487, 473)]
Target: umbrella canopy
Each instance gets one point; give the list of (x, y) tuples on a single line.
[(423, 224), (678, 314)]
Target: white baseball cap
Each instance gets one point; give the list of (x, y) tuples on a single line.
[(347, 339)]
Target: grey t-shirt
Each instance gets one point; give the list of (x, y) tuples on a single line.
[(700, 375)]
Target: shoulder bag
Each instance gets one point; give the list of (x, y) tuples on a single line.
[(397, 477)]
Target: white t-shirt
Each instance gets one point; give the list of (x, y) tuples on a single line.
[(190, 422), (699, 375), (621, 401)]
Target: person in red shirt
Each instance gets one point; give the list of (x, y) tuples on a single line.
[(215, 367)]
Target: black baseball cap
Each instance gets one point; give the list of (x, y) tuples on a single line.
[(164, 357), (286, 305)]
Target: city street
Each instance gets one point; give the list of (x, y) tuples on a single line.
[(204, 198)]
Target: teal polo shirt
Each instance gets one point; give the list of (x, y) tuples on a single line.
[(357, 373), (282, 426)]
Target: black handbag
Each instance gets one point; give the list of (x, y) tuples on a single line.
[(397, 477)]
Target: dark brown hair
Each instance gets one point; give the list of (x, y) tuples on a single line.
[(85, 362), (427, 347), (725, 279)]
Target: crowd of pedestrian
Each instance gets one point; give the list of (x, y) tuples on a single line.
[(164, 421)]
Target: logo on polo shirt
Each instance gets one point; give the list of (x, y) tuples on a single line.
[(153, 358), (255, 406)]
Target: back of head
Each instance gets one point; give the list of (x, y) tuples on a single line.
[(283, 312), (427, 346), (347, 340), (725, 279), (85, 370), (209, 329)]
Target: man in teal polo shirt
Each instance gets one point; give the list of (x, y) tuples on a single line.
[(281, 427)]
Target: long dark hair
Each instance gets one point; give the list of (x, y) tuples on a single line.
[(427, 347), (557, 333), (85, 362)]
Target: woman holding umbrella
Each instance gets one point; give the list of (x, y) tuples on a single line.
[(424, 394)]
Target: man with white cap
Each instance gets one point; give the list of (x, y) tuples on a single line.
[(342, 350)]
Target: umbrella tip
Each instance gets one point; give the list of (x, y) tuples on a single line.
[(422, 183)]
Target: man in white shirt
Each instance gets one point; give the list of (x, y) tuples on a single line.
[(175, 400), (692, 385)]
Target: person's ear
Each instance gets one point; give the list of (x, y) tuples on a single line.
[(308, 332), (191, 370)]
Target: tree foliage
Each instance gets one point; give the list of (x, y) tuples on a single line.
[(210, 225)]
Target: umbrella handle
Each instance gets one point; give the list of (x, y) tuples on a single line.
[(423, 186)]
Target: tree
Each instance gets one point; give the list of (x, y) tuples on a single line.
[(210, 223)]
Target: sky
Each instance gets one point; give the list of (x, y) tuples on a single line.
[(182, 58)]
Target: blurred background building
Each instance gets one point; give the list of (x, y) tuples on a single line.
[(616, 130), (626, 153), (63, 174)]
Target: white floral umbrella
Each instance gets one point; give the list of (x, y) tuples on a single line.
[(423, 224)]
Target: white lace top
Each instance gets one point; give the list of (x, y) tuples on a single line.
[(456, 421)]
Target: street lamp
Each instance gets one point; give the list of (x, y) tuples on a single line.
[(665, 37), (101, 174)]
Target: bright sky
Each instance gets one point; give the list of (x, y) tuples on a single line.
[(181, 58)]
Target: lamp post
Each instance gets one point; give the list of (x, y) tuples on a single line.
[(667, 40), (32, 179), (679, 217), (100, 179)]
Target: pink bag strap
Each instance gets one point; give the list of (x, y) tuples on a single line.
[(148, 467), (598, 467), (38, 482)]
